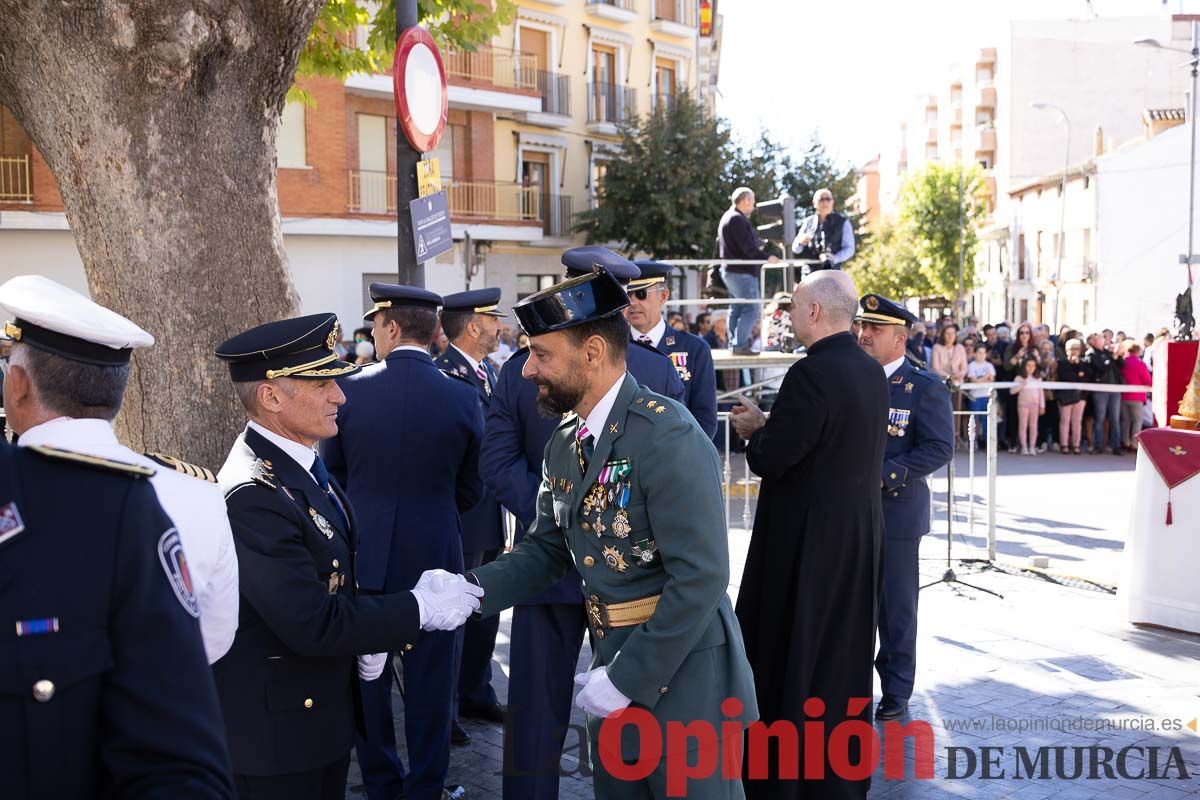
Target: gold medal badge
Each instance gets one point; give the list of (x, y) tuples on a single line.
[(620, 524), (321, 523), (614, 559)]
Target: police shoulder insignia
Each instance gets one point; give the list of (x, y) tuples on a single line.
[(191, 470), (261, 473), (133, 470), (174, 563), (453, 373)]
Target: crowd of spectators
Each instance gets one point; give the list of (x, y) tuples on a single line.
[(1033, 418)]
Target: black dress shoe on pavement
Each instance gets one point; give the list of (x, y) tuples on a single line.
[(454, 793), (891, 708), (458, 734), (492, 713)]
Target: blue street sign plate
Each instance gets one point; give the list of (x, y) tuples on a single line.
[(430, 225)]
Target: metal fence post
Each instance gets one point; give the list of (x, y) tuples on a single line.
[(993, 409)]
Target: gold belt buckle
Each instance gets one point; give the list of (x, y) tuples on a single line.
[(597, 615)]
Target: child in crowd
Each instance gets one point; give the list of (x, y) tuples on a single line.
[(979, 370), (1071, 402), (1031, 404)]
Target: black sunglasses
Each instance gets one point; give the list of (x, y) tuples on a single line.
[(640, 294)]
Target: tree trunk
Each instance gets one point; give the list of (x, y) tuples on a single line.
[(158, 120)]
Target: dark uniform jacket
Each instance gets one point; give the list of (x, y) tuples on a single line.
[(289, 684), (920, 440), (692, 358), (515, 444), (104, 686), (407, 452), (483, 525)]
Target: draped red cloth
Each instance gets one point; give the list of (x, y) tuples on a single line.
[(1174, 453)]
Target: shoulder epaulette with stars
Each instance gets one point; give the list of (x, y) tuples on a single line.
[(651, 405), (132, 470), (191, 470), (261, 473), (453, 373)]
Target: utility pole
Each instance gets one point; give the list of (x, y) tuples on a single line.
[(408, 270)]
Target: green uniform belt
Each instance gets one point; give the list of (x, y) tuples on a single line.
[(604, 616)]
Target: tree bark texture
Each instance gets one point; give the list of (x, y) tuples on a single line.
[(158, 120)]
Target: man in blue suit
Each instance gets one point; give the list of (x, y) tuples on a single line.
[(920, 440), (547, 632), (690, 354), (471, 321), (407, 453)]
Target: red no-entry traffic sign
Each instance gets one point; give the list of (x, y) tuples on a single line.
[(419, 82)]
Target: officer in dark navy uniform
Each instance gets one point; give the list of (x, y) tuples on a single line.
[(547, 632), (471, 321), (690, 354), (289, 686), (105, 690), (407, 450), (920, 440)]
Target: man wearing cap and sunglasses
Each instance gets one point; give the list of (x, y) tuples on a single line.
[(630, 497), (289, 687), (827, 236)]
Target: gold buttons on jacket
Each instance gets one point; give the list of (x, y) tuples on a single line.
[(587, 526), (407, 647), (308, 703), (588, 561), (43, 690), (893, 476), (336, 564), (663, 690)]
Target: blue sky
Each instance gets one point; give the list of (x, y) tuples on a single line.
[(850, 68)]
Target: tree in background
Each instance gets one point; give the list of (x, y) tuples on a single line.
[(667, 188), (916, 254), (158, 119)]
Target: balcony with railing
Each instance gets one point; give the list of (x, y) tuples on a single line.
[(615, 10), (372, 192), (16, 183), (610, 105), (663, 102), (492, 79), (674, 17), (555, 91)]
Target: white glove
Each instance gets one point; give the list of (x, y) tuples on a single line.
[(371, 666), (599, 697), (445, 600)]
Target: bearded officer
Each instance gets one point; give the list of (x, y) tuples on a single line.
[(106, 689), (547, 630), (289, 686), (691, 355), (920, 440), (471, 321), (630, 496), (61, 387), (408, 449)]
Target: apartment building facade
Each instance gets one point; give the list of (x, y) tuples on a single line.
[(533, 117)]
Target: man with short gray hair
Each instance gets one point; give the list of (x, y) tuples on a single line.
[(810, 588), (737, 241), (826, 237)]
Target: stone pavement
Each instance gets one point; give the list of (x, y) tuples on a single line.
[(1046, 666)]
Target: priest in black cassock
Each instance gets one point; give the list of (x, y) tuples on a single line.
[(810, 590)]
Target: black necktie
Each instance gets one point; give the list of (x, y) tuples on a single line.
[(321, 474), (586, 446)]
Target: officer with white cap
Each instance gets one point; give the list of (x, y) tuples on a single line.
[(67, 376)]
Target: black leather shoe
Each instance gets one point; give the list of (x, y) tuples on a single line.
[(454, 793), (458, 734), (891, 708), (492, 713)]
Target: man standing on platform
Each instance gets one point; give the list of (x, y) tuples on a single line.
[(471, 322), (407, 452), (547, 630), (920, 439), (691, 356), (810, 587), (737, 241)]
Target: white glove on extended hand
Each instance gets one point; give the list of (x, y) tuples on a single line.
[(445, 600), (371, 666), (599, 697)]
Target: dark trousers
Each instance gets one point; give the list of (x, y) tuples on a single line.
[(1107, 407), (544, 654), (322, 783), (479, 641), (896, 661), (430, 679)]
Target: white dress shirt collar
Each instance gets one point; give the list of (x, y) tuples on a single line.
[(414, 347), (474, 364), (595, 420), (302, 454), (71, 434), (655, 333), (890, 368)]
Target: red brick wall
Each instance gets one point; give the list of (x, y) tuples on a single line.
[(323, 189)]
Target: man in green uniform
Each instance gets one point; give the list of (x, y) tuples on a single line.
[(631, 497)]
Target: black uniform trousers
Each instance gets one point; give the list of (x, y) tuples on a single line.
[(896, 660), (322, 783)]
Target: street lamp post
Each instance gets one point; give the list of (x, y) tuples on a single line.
[(1062, 212), (1194, 63)]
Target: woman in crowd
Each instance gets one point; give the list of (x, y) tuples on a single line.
[(1136, 373), (1018, 351), (1048, 422), (949, 361), (1031, 404), (1071, 402)]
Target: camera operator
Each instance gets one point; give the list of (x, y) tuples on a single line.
[(827, 236)]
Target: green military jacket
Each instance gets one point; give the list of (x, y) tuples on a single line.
[(659, 529)]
